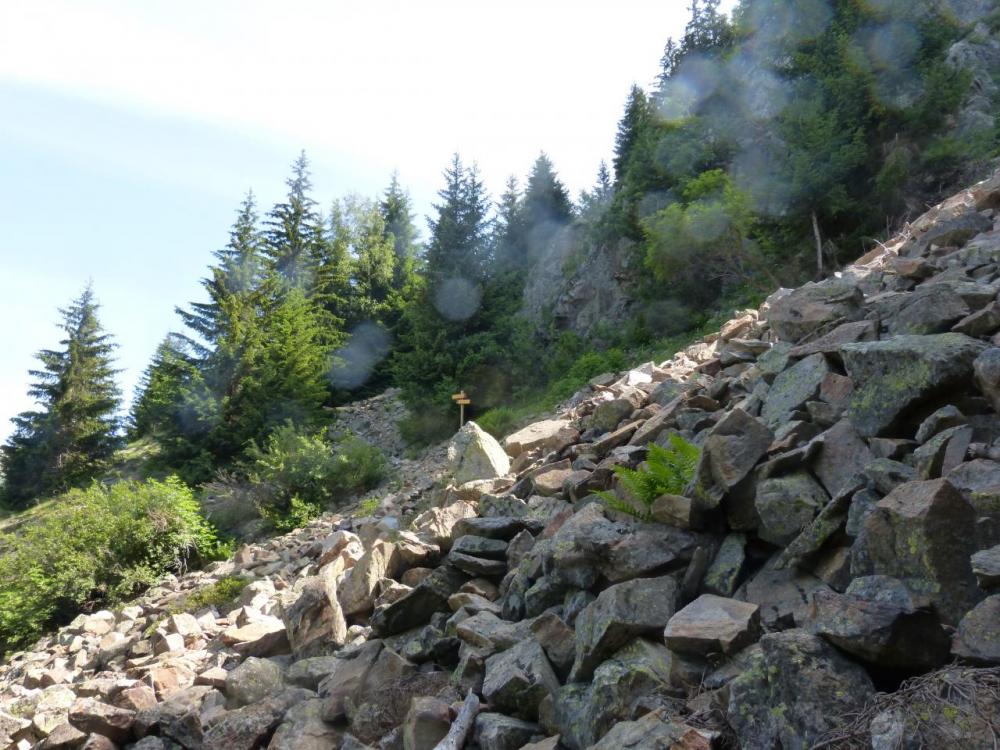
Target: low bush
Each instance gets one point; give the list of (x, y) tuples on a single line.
[(297, 474), (96, 547)]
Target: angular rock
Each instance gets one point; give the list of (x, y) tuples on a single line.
[(303, 728), (783, 594), (346, 677), (414, 609), (843, 454), (517, 679), (475, 454), (881, 629), (986, 567), (977, 638), (253, 681), (654, 730), (793, 388), (808, 308), (894, 377), (786, 505), (499, 732), (923, 534), (249, 727), (314, 620), (722, 576), (426, 723), (943, 419), (549, 435), (620, 613), (90, 715), (357, 592), (797, 689), (731, 450), (263, 637), (713, 625), (929, 309)]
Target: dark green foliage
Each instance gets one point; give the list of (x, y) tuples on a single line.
[(73, 435), (666, 471), (297, 474), (96, 546)]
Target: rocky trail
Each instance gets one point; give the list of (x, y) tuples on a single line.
[(829, 578)]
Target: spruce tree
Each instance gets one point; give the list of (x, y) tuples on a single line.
[(629, 130), (73, 435), (294, 229), (397, 216), (546, 209)]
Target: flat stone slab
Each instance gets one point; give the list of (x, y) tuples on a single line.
[(713, 624)]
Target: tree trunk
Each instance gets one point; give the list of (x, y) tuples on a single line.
[(819, 246)]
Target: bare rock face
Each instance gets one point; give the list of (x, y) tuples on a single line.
[(475, 454)]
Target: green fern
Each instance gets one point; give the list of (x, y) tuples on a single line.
[(667, 471)]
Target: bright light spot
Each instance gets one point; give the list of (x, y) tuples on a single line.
[(457, 299), (355, 361)]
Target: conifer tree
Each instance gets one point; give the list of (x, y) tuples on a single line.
[(71, 438), (294, 229), (546, 209), (397, 216), (629, 129)]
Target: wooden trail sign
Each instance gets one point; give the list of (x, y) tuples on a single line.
[(462, 400)]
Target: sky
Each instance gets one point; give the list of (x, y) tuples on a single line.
[(130, 131)]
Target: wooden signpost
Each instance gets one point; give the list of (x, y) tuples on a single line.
[(462, 400)]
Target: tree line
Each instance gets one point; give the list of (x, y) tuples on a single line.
[(773, 145)]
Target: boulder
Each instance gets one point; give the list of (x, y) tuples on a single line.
[(437, 524), (499, 732), (713, 625), (923, 533), (303, 728), (782, 593), (986, 567), (475, 454), (723, 575), (517, 679), (792, 388), (357, 592), (786, 505), (620, 613), (800, 312), (879, 621), (977, 639), (249, 727), (842, 455), (263, 637), (90, 715), (928, 309), (253, 681), (583, 713), (314, 620), (893, 378), (427, 723), (346, 677), (549, 435), (415, 608), (796, 690), (654, 730), (731, 450)]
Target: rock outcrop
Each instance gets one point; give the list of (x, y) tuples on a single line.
[(840, 534)]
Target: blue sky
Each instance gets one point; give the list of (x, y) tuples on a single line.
[(130, 131)]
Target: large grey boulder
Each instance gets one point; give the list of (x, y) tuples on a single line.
[(475, 454), (987, 370), (796, 690), (249, 727), (892, 378), (253, 680), (313, 617), (303, 728), (804, 310), (731, 450), (923, 533), (786, 505), (549, 435), (517, 679), (792, 388), (978, 635), (620, 613), (879, 621), (494, 731)]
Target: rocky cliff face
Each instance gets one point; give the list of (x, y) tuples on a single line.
[(840, 534)]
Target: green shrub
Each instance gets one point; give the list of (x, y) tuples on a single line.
[(97, 546), (499, 421), (667, 471), (222, 595), (299, 474)]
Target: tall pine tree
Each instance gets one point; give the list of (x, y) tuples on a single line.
[(73, 435)]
